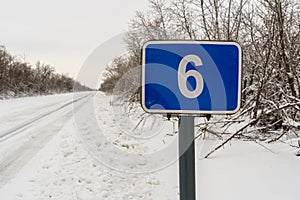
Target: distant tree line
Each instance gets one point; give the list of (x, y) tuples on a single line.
[(269, 34), (19, 78)]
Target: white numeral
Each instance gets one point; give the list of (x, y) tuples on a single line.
[(183, 76)]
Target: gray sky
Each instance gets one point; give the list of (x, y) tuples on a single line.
[(62, 33)]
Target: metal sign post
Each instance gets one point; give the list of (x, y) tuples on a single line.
[(187, 158)]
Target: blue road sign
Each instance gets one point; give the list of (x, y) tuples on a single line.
[(196, 77)]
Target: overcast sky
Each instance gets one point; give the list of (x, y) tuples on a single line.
[(62, 33)]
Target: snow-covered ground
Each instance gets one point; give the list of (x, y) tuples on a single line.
[(99, 149)]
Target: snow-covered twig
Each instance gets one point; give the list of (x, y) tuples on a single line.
[(277, 138), (254, 121), (219, 122)]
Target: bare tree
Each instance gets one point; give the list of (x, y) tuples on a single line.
[(269, 34), (20, 78)]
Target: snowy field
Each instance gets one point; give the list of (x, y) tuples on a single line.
[(96, 148)]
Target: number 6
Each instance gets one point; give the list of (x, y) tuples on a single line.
[(183, 76)]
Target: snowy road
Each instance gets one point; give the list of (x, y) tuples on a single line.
[(27, 126), (88, 147), (15, 118), (42, 156)]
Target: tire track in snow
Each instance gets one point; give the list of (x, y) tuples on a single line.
[(12, 131), (35, 139)]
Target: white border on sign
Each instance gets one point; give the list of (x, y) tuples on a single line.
[(156, 111)]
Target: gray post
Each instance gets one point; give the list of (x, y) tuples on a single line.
[(187, 159)]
